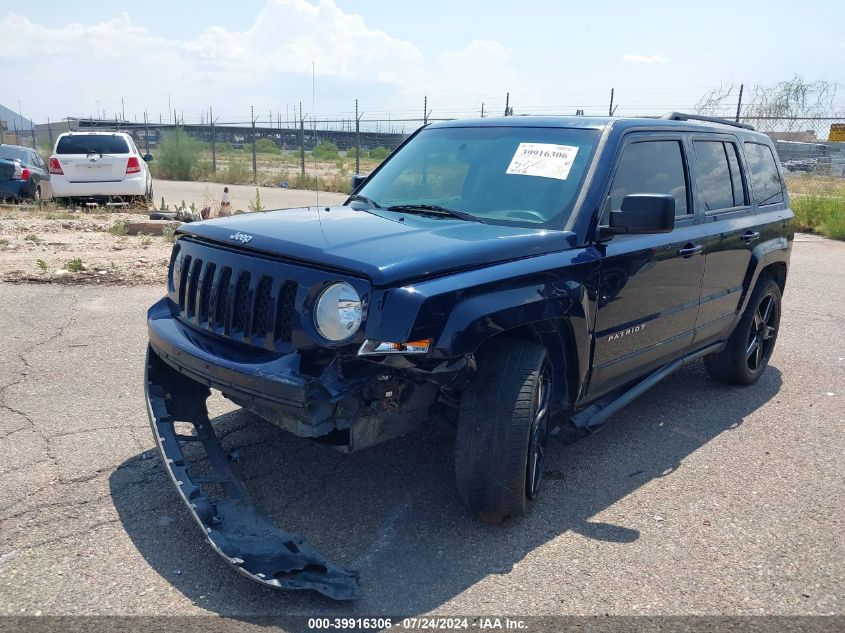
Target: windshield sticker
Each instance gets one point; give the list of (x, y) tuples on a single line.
[(543, 159)]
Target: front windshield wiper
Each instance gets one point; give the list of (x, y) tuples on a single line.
[(359, 198), (435, 209)]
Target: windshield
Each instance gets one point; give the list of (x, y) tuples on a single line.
[(505, 175), (12, 153), (92, 144)]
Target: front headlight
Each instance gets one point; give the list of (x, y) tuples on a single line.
[(338, 313)]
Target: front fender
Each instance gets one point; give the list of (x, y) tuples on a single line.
[(553, 295)]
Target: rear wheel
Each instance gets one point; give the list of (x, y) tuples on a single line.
[(37, 195), (751, 344), (503, 427)]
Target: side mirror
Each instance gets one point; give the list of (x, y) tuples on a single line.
[(148, 158), (643, 213), (357, 181)]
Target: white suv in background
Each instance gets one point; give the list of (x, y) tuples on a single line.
[(99, 165)]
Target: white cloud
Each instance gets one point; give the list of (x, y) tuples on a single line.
[(270, 62), (644, 59)]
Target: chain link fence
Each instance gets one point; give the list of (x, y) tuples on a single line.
[(304, 153)]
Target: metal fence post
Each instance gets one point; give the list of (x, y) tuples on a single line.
[(301, 143), (357, 140), (739, 102), (213, 142), (50, 133), (254, 164)]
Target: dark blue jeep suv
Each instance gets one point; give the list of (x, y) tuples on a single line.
[(515, 278)]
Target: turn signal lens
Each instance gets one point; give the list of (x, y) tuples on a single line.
[(372, 348)]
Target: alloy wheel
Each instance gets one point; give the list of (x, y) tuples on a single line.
[(761, 338), (539, 434)]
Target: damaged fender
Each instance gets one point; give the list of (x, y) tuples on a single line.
[(233, 525)]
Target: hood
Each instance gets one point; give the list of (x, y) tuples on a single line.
[(378, 244)]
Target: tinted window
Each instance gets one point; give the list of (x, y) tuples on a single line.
[(714, 176), (764, 173), (650, 167), (12, 153), (92, 144), (472, 169), (740, 198)]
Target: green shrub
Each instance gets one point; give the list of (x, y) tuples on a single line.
[(379, 153), (75, 265), (326, 151), (267, 146), (178, 156), (820, 214), (255, 203)]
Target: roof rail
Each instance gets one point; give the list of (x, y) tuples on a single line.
[(680, 116)]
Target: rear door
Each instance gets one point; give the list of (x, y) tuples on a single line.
[(650, 284), (93, 157), (731, 226)]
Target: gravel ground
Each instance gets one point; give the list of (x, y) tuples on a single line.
[(40, 245), (700, 499)]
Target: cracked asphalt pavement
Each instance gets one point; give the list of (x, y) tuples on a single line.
[(698, 499)]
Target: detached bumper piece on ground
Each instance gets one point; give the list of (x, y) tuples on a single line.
[(234, 526)]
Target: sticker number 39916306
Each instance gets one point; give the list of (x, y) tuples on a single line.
[(543, 159)]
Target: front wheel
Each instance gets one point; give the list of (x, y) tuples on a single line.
[(503, 426), (751, 344)]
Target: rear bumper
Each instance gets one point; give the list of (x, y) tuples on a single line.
[(14, 189), (130, 187), (229, 520)]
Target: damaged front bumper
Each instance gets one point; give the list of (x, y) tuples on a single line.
[(230, 521)]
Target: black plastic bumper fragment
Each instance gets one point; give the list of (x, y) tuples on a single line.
[(234, 526)]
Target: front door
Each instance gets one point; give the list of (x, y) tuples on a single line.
[(650, 285)]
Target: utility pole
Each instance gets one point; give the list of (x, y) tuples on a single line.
[(146, 133), (482, 109), (739, 102), (122, 110), (425, 110), (507, 104), (610, 107)]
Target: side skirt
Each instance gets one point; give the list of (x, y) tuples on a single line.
[(595, 416)]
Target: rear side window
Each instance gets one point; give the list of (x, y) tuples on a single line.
[(719, 178), (764, 174), (92, 144), (650, 167)]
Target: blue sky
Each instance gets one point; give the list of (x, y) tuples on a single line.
[(551, 56)]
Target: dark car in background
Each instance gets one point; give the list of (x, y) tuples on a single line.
[(23, 174)]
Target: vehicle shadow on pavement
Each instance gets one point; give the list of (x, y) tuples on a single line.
[(392, 512)]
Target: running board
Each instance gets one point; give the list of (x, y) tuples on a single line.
[(231, 522), (595, 416)]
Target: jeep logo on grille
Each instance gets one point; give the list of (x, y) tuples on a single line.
[(243, 238)]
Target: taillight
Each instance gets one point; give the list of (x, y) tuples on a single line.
[(133, 165), (24, 174), (55, 167)]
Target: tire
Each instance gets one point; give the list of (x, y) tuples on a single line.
[(502, 429), (752, 342), (149, 197), (36, 196)]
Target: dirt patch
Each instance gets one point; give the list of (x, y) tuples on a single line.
[(55, 245)]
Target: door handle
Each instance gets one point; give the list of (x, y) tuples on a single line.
[(750, 236), (689, 250)]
